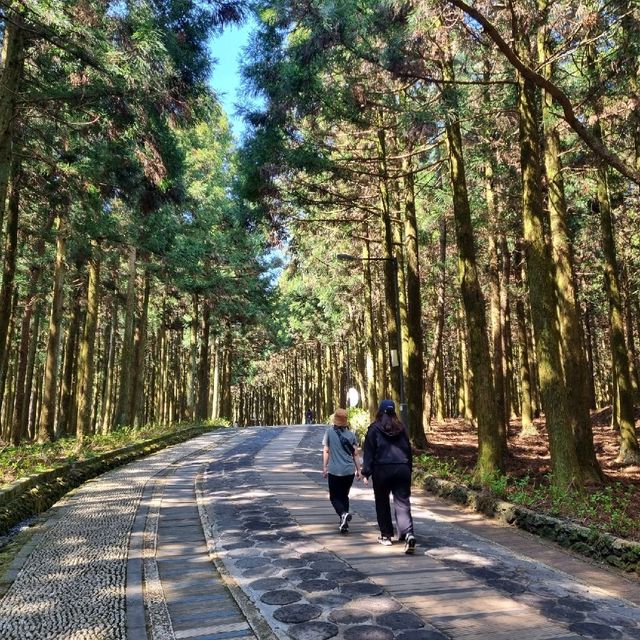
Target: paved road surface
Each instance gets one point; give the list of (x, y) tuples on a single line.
[(231, 536)]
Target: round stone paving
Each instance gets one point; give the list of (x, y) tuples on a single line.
[(376, 606), (293, 562), (422, 634), (317, 585), (313, 631), (292, 613), (302, 574), (280, 597), (506, 585), (349, 616), (252, 561), (368, 632), (577, 603), (329, 565), (361, 589), (594, 630), (267, 584), (344, 577), (556, 612), (265, 572), (329, 599), (400, 620)]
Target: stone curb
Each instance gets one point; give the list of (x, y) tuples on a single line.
[(618, 552), (36, 493)]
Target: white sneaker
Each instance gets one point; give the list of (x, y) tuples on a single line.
[(345, 518), (410, 544)]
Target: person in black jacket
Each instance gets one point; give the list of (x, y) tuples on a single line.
[(388, 461)]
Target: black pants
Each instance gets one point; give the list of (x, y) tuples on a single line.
[(339, 487), (393, 479)]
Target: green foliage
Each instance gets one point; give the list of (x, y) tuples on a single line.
[(358, 422), (606, 509), (27, 459)]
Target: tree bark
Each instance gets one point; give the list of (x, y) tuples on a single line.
[(8, 274), (491, 440), (13, 53), (123, 416), (86, 352), (572, 353), (566, 469), (202, 409), (622, 389), (436, 344), (46, 426)]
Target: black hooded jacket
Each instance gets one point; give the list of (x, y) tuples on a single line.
[(386, 442)]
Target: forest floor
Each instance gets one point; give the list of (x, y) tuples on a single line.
[(614, 507)]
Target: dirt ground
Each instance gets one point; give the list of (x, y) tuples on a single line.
[(529, 456)]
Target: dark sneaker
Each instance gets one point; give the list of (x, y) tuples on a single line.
[(410, 544), (385, 541), (345, 518)]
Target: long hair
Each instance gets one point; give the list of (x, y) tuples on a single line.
[(389, 419)]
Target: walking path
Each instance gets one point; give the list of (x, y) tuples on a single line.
[(231, 536)]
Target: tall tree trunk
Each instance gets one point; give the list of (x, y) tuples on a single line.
[(526, 410), (13, 54), (8, 273), (571, 337), (622, 389), (491, 440), (67, 395), (86, 352), (494, 298), (108, 372), (137, 410), (631, 343), (591, 357), (560, 423), (507, 341), (123, 416), (391, 270), (203, 370), (436, 344), (415, 346), (46, 426), (372, 395)]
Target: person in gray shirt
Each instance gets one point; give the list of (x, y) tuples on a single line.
[(340, 465)]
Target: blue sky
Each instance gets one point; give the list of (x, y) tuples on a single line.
[(225, 78)]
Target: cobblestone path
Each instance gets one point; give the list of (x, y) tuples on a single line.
[(231, 536)]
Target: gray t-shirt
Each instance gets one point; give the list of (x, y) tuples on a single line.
[(340, 462)]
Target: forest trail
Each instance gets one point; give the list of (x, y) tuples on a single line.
[(128, 556)]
